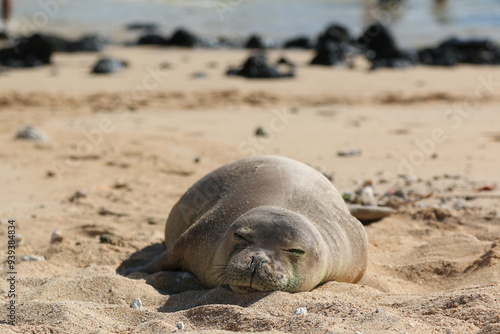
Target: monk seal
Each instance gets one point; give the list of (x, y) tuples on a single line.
[(263, 223)]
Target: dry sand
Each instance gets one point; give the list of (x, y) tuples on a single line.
[(123, 148)]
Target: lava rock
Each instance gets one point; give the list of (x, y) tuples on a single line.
[(285, 61), (88, 43), (152, 39), (378, 40), (108, 66), (379, 46), (301, 42), (255, 42), (329, 53), (32, 51), (336, 33), (262, 132), (438, 56), (256, 67), (184, 38), (467, 51), (474, 51), (332, 46)]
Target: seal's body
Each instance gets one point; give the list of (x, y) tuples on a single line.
[(264, 223)]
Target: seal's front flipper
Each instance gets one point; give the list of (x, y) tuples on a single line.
[(164, 261)]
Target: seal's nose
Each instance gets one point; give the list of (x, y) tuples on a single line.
[(258, 260)]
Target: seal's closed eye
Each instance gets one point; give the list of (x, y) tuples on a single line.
[(239, 237), (295, 251)]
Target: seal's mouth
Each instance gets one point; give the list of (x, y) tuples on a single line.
[(242, 289)]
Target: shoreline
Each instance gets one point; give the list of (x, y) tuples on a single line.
[(224, 18)]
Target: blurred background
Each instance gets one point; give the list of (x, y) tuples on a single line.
[(414, 23)]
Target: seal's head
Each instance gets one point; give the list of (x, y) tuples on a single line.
[(270, 248)]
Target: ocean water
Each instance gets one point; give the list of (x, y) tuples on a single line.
[(413, 22)]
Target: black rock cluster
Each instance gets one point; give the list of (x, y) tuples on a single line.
[(181, 38), (88, 43), (378, 45), (334, 46), (461, 51), (32, 51), (380, 48), (299, 42), (36, 50), (256, 67)]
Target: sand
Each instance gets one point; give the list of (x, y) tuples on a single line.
[(122, 149)]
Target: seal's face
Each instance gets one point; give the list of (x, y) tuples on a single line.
[(270, 249)]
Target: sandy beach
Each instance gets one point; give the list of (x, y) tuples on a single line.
[(123, 148)]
